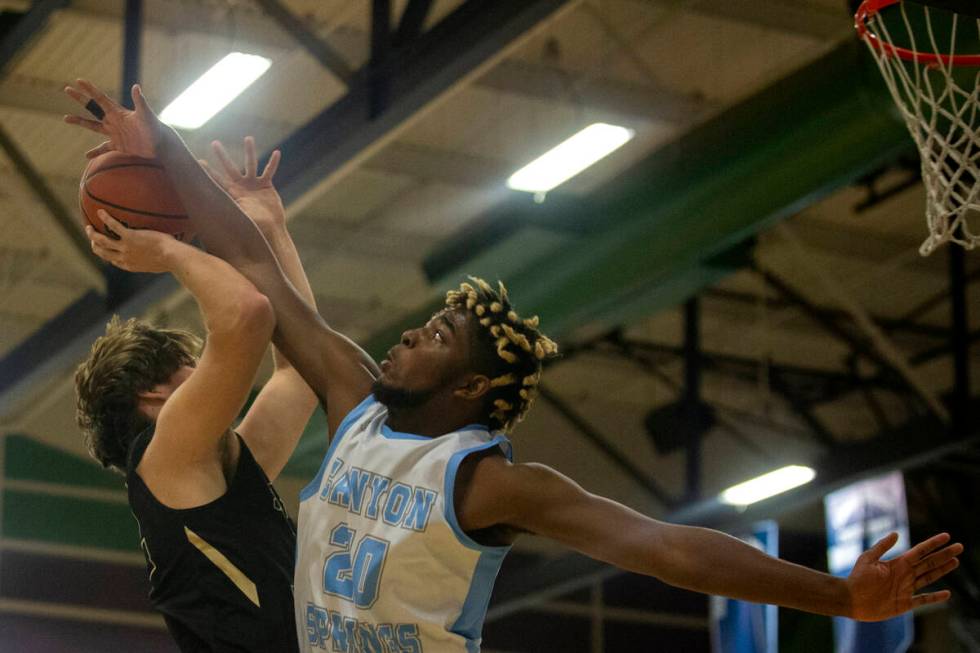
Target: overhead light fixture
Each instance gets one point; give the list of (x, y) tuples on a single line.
[(570, 157), (768, 485), (214, 90)]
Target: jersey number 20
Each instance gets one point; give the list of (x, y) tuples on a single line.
[(355, 578)]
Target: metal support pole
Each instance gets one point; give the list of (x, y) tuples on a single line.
[(960, 339), (412, 21), (380, 47), (120, 285), (132, 48), (692, 394)]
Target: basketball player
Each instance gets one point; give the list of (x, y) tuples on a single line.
[(219, 547), (403, 529)]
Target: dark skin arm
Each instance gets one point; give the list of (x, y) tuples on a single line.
[(336, 369), (536, 499)]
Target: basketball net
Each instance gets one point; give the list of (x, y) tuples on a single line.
[(940, 109)]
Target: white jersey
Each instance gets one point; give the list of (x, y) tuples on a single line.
[(382, 564)]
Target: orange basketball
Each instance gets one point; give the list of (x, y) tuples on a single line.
[(135, 191)]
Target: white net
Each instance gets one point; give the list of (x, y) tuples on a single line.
[(940, 102)]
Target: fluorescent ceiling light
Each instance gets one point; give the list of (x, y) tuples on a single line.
[(214, 90), (569, 158), (768, 485)]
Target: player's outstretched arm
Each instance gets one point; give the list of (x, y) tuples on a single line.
[(338, 371), (537, 499), (276, 419), (182, 463)]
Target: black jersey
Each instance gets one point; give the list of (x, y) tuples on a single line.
[(220, 573)]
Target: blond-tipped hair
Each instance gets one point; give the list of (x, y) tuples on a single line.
[(515, 344)]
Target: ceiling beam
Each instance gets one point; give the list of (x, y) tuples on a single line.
[(244, 22), (348, 44), (307, 37), (62, 223), (412, 21), (464, 44), (27, 27)]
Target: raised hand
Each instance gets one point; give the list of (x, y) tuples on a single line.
[(254, 193), (881, 589), (134, 132), (135, 250)]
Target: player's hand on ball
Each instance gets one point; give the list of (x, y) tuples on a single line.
[(135, 250), (134, 132), (254, 192)]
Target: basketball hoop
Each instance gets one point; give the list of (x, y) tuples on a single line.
[(938, 94)]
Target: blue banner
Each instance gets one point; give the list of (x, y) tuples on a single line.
[(858, 516), (740, 626)]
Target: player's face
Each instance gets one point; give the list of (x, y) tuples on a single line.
[(427, 358)]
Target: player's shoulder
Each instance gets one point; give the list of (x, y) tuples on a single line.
[(491, 471)]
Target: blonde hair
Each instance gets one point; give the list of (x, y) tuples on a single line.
[(516, 348), (132, 357)]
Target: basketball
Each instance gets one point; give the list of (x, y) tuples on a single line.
[(135, 191)]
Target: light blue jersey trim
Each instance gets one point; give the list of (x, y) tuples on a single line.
[(450, 483), (392, 434), (469, 625), (355, 414)]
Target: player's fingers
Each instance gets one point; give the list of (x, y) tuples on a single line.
[(931, 597), (103, 246), (881, 546), (933, 575), (112, 224), (107, 255), (139, 100), (105, 102), (91, 125), (924, 548), (937, 558), (230, 168), (90, 105), (102, 148), (114, 258), (251, 164), (271, 166), (77, 95)]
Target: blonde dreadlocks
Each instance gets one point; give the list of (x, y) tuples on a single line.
[(517, 349)]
